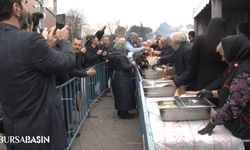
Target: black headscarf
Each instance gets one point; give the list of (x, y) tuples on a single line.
[(237, 54), (236, 48)]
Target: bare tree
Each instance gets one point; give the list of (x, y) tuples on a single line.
[(75, 20), (111, 26)]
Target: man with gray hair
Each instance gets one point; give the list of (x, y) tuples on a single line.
[(179, 58), (164, 47)]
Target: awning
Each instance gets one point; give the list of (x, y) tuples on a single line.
[(200, 7)]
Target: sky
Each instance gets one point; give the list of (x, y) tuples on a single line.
[(132, 12)]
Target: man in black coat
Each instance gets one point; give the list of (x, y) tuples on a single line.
[(179, 58), (80, 51), (94, 55), (164, 47), (27, 85), (79, 70)]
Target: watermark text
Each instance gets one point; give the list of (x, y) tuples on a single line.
[(25, 139)]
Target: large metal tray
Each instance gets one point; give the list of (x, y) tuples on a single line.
[(167, 91), (151, 74), (187, 108), (155, 83), (193, 102)]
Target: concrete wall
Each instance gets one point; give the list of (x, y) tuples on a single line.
[(234, 16), (231, 12), (202, 20)]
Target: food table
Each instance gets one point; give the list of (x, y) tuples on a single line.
[(178, 135), (183, 134)]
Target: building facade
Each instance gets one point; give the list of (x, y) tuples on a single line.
[(49, 9), (233, 11)]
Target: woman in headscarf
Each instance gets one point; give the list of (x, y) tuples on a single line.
[(235, 93), (122, 83)]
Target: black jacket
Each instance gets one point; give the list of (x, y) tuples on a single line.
[(207, 66), (79, 70), (180, 60), (108, 49), (29, 99), (91, 56), (166, 51)]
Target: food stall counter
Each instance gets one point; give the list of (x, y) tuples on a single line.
[(177, 135)]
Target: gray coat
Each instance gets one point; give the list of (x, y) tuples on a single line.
[(27, 87), (123, 84)]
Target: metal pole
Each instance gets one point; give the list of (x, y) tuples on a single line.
[(216, 6), (55, 6), (42, 11)]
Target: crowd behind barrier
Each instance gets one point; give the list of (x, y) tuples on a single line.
[(78, 96)]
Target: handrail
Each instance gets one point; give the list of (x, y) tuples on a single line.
[(66, 83), (146, 129), (78, 96)]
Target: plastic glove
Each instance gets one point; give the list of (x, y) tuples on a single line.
[(205, 93), (208, 129)]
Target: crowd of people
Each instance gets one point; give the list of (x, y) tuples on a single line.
[(214, 65)]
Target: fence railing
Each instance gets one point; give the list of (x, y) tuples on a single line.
[(78, 96), (145, 126)]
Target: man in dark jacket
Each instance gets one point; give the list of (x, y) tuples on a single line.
[(27, 86), (164, 47), (191, 36), (105, 46), (179, 58), (93, 54), (79, 70), (80, 51)]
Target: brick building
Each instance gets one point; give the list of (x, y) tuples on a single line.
[(50, 19)]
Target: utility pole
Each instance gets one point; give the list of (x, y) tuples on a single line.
[(216, 6), (55, 6), (41, 9)]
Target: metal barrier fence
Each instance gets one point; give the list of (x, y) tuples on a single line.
[(146, 132), (78, 96)]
